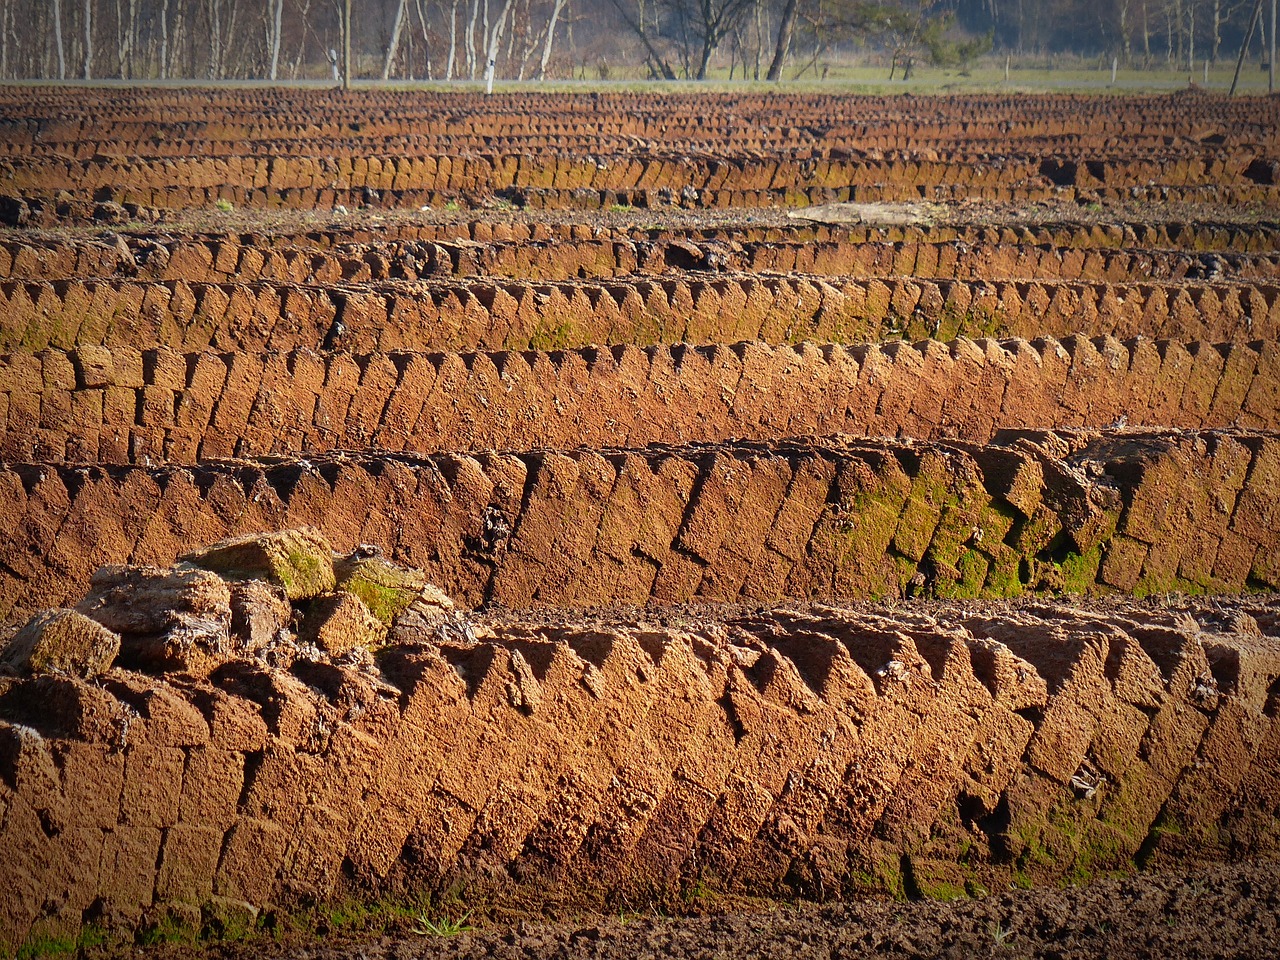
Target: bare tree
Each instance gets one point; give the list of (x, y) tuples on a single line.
[(4, 38), (394, 43), (88, 39), (709, 22), (453, 40), (785, 30), (550, 38), (57, 37), (635, 21), (274, 25), (426, 36), (347, 66), (471, 35), (494, 39)]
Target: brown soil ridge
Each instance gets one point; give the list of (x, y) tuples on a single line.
[(117, 405), (1128, 511), (350, 248), (479, 314), (227, 260), (812, 753), (612, 170), (248, 121), (549, 155), (661, 199)]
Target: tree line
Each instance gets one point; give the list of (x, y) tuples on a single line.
[(591, 39)]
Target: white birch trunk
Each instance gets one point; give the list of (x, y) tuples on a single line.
[(395, 40), (88, 39), (471, 39), (453, 41), (495, 38), (551, 36), (426, 38), (164, 39), (275, 39), (57, 37)]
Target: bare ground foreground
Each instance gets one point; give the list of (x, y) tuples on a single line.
[(622, 525), (1206, 912)]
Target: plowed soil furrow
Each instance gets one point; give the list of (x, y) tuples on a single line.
[(1174, 246), (117, 405)]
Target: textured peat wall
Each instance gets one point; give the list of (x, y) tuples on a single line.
[(94, 404), (411, 250), (477, 314), (1127, 511), (814, 753)]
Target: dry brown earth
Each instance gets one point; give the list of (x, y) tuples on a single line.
[(1003, 364)]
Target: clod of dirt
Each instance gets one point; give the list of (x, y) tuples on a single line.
[(178, 619), (62, 641), (191, 620), (260, 614), (300, 561), (339, 623), (386, 589)]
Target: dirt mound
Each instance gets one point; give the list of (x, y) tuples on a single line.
[(815, 752), (117, 405)]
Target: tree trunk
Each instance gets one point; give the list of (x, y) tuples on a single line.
[(395, 40), (495, 38), (1191, 35), (426, 38), (4, 39), (300, 59), (132, 38), (275, 40), (88, 39), (551, 34), (57, 36), (1146, 36), (453, 41), (708, 48), (346, 45), (471, 38), (759, 30), (1216, 40), (164, 39), (785, 29)]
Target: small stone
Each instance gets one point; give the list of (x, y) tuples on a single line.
[(63, 641), (300, 561)]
